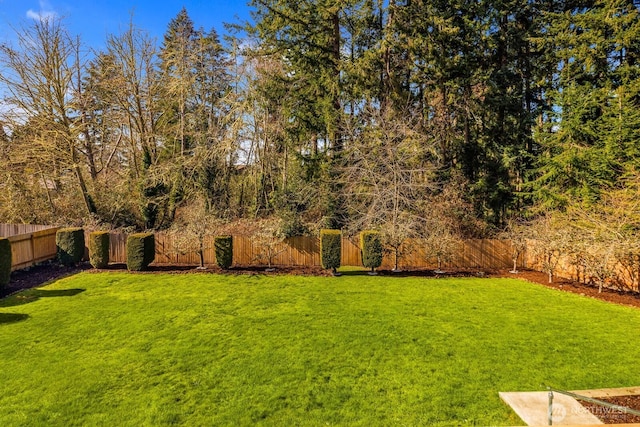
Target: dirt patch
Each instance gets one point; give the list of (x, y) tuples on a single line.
[(615, 416)]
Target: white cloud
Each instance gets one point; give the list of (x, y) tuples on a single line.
[(45, 13)]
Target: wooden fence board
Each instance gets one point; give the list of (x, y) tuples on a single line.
[(118, 247), (44, 245)]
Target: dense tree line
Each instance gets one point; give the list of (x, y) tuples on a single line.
[(414, 117)]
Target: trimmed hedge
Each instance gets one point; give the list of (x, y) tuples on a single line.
[(5, 262), (371, 249), (141, 251), (99, 249), (330, 249), (70, 245), (224, 251)]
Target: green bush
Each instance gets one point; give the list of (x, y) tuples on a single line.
[(330, 249), (99, 249), (371, 249), (70, 245), (5, 262), (141, 251), (292, 225), (224, 251)]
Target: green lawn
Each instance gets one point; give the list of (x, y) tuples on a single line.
[(139, 349)]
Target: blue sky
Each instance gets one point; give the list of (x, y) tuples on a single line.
[(93, 20)]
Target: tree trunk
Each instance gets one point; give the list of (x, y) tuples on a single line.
[(395, 267), (336, 134), (88, 201)]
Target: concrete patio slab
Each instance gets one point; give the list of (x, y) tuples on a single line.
[(532, 408)]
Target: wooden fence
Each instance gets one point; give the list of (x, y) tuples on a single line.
[(34, 244), (38, 244), (31, 248), (305, 251)]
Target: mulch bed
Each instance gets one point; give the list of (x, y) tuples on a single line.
[(611, 295), (614, 416), (38, 275), (43, 273)]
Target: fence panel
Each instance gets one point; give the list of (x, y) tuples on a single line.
[(31, 248), (351, 254), (117, 248), (243, 251)]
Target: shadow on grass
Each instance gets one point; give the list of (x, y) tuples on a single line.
[(6, 318), (45, 293), (353, 273), (31, 295), (414, 273)]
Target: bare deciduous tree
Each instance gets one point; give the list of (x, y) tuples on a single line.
[(386, 169), (441, 243), (194, 224), (551, 243), (41, 77), (600, 261), (518, 233), (269, 238)]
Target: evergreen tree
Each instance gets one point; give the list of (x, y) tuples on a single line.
[(177, 63), (587, 142), (195, 82), (306, 36)]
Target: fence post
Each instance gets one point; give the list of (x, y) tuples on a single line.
[(550, 408), (33, 247)]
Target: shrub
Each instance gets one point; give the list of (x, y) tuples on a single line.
[(292, 225), (141, 251), (70, 245), (330, 249), (5, 262), (224, 251), (371, 249), (99, 249)]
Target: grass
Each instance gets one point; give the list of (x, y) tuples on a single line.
[(141, 349)]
